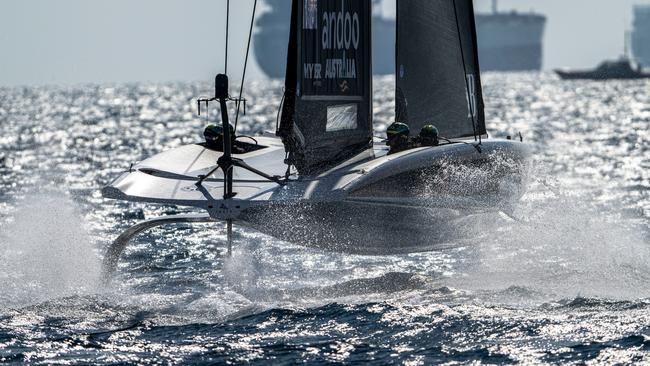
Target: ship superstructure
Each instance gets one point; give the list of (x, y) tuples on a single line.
[(641, 35), (508, 41)]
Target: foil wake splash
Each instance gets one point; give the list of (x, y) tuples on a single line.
[(46, 252)]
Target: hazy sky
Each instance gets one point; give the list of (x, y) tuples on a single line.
[(77, 41)]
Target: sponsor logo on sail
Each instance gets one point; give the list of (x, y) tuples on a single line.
[(334, 54), (340, 35), (471, 95), (310, 14), (341, 30)]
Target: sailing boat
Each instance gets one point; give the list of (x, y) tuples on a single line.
[(322, 180)]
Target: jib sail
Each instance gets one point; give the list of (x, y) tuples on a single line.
[(437, 70), (327, 113)]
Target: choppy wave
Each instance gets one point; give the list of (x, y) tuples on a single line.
[(563, 277)]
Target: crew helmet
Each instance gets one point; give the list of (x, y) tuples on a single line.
[(398, 129), (215, 131), (429, 132)]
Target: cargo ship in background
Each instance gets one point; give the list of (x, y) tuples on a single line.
[(641, 35), (508, 41)]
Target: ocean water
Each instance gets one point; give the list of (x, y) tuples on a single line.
[(566, 279)]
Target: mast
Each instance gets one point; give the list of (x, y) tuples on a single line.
[(494, 7)]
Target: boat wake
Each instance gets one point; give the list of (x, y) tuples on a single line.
[(557, 255), (551, 247)]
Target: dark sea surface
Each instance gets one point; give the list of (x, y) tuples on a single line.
[(566, 281)]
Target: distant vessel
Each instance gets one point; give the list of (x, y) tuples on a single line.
[(641, 34), (508, 41), (623, 68)]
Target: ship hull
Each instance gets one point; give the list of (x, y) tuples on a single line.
[(510, 41), (592, 75), (511, 58), (271, 51)]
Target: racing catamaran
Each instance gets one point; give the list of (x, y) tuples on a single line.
[(322, 180)]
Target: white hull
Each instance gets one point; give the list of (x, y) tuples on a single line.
[(417, 200)]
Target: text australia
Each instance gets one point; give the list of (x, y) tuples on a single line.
[(340, 31)]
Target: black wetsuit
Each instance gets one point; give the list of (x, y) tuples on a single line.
[(400, 145), (217, 145), (426, 142)]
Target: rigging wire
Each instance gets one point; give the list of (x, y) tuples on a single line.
[(277, 117), (243, 78), (462, 55), (449, 142), (248, 137), (227, 31)]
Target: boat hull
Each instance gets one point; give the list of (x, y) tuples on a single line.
[(417, 200), (368, 228)]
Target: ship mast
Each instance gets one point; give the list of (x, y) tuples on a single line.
[(494, 7)]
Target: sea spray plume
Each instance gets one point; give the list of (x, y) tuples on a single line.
[(244, 269), (45, 252), (456, 194), (436, 201), (561, 246), (472, 179)]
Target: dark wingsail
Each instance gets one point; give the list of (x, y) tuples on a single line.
[(437, 70), (327, 114)]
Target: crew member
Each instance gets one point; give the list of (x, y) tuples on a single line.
[(398, 137), (214, 138), (428, 136)]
